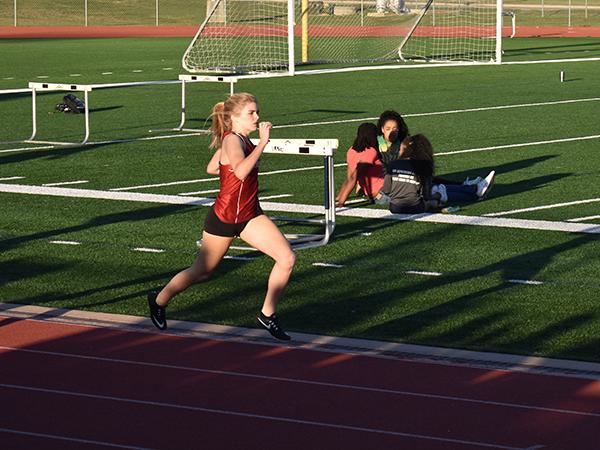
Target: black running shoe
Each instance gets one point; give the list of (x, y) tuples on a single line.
[(157, 313), (272, 326)]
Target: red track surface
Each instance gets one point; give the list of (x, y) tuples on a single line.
[(76, 387), (189, 31)]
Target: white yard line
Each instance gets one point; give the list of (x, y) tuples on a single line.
[(322, 264), (205, 180), (11, 178), (529, 282), (210, 191), (170, 183), (583, 219), (522, 144), (148, 250), (114, 141), (424, 273), (269, 197), (451, 111), (65, 242), (66, 183), (569, 227), (537, 208)]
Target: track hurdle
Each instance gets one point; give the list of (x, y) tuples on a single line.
[(231, 79), (36, 87), (318, 147), (184, 79)]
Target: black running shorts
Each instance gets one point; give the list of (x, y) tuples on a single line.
[(214, 225)]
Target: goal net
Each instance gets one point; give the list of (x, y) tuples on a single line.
[(250, 36)]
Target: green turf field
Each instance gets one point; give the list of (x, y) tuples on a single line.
[(453, 285)]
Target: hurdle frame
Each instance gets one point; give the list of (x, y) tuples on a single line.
[(36, 87)]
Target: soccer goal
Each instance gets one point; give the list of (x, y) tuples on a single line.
[(283, 36)]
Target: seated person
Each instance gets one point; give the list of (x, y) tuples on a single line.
[(364, 165), (391, 130), (409, 181)]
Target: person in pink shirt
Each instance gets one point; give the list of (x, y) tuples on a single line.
[(364, 165)]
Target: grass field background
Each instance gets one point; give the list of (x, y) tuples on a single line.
[(372, 291)]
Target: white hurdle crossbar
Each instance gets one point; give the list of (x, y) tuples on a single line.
[(86, 89), (312, 147)]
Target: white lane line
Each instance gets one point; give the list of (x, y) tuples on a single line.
[(337, 426), (70, 439), (74, 74), (452, 111), (300, 381), (43, 76), (65, 242), (11, 178), (65, 183), (424, 273), (210, 191), (583, 219), (107, 73), (270, 197), (530, 282), (364, 213), (537, 208), (137, 71), (322, 264), (167, 68), (148, 250)]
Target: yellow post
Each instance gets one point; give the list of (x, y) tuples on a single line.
[(304, 15)]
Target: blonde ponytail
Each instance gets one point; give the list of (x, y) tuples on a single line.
[(221, 115)]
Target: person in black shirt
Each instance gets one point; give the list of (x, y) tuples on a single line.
[(409, 181)]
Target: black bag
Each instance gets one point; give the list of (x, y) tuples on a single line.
[(71, 104)]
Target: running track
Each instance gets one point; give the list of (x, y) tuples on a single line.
[(71, 386)]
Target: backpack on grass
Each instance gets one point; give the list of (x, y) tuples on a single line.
[(71, 104)]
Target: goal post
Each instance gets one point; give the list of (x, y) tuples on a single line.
[(281, 36)]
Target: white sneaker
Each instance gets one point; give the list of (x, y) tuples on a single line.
[(441, 189), (473, 182), (484, 186)]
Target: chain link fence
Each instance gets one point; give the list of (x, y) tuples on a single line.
[(101, 12), (574, 13)]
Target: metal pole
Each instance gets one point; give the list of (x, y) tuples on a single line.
[(15, 11), (156, 12), (542, 8), (85, 11), (569, 13), (586, 9)]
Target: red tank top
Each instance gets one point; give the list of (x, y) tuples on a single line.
[(237, 200)]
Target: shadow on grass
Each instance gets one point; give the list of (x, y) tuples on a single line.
[(129, 216)]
